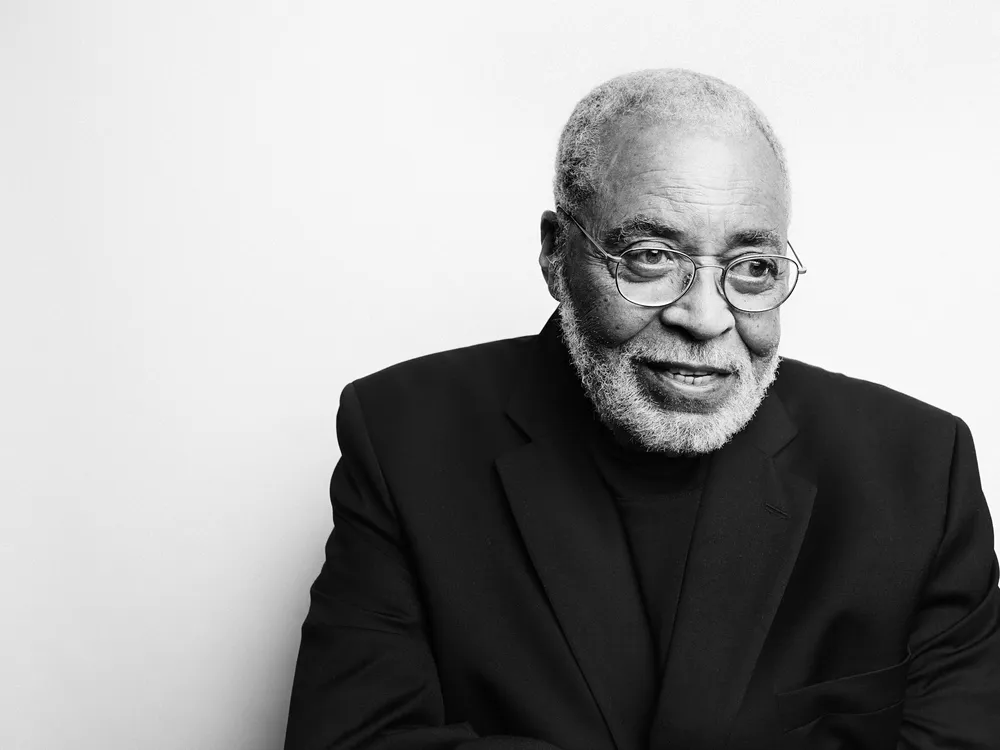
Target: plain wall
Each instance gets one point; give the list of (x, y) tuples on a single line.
[(215, 214)]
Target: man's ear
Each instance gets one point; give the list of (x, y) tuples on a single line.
[(549, 231)]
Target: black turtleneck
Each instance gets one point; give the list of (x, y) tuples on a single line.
[(657, 498)]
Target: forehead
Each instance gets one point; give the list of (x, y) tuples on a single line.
[(705, 181)]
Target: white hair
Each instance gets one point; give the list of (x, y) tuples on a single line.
[(669, 95)]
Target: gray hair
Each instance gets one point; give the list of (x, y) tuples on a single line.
[(672, 95)]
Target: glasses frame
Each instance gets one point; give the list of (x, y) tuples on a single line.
[(720, 282)]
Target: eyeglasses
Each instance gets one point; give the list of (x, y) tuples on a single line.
[(650, 274)]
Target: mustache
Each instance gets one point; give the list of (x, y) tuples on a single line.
[(708, 354)]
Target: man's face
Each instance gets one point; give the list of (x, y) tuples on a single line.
[(682, 378)]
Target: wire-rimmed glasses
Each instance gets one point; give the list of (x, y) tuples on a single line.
[(650, 273)]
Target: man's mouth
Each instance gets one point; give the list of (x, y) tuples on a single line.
[(691, 374)]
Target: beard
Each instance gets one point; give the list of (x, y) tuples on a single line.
[(656, 422)]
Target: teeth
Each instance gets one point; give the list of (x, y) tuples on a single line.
[(689, 379)]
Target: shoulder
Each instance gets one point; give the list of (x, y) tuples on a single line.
[(469, 379), (807, 386), (840, 408), (482, 367)]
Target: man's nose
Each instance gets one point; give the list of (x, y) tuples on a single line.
[(703, 311)]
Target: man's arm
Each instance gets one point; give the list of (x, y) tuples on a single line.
[(953, 689), (365, 676)]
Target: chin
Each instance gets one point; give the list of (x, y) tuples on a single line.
[(655, 428)]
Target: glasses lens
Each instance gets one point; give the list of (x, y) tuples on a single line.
[(653, 275), (758, 284)]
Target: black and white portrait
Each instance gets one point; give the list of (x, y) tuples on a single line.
[(519, 377)]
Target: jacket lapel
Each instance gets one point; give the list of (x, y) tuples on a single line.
[(576, 543), (752, 519)]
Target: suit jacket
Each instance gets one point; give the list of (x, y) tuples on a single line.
[(840, 591)]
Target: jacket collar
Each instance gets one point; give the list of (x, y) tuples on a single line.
[(750, 526)]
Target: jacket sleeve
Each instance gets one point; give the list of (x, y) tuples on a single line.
[(953, 687), (366, 676)]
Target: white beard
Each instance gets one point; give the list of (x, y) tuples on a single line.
[(624, 404)]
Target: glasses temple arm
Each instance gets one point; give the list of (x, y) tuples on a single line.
[(586, 234), (802, 268)]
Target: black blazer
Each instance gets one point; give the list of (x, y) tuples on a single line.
[(841, 589)]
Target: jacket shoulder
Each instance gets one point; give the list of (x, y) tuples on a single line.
[(812, 394), (469, 378)]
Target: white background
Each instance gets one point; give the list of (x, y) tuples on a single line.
[(214, 214)]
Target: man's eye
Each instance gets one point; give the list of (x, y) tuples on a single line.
[(760, 267), (650, 256)]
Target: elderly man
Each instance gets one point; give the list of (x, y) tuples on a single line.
[(630, 531)]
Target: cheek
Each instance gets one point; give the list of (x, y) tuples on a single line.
[(605, 314), (760, 332)]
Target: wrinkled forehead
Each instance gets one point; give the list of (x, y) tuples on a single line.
[(649, 161)]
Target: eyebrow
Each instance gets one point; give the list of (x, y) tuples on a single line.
[(639, 226), (756, 238)]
